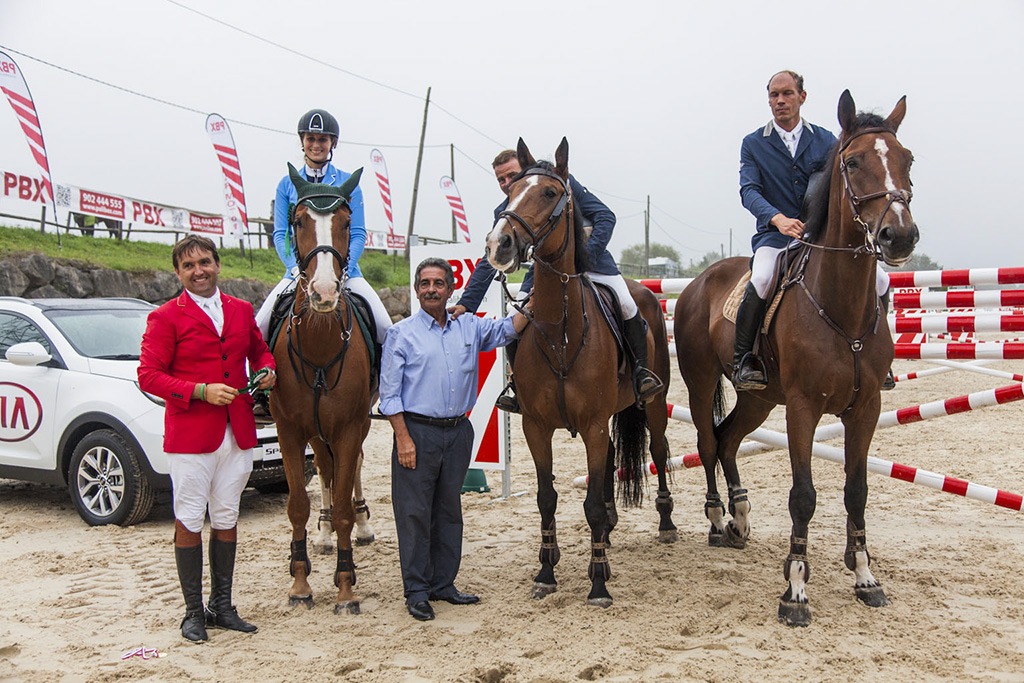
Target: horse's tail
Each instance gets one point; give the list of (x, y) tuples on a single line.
[(718, 402), (629, 429)]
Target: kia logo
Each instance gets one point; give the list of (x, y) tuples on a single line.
[(20, 412)]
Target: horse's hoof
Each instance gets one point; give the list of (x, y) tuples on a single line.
[(325, 549), (733, 539), (351, 607), (872, 596), (296, 600), (716, 539), (794, 613), (668, 536), (541, 590), (365, 540), (603, 603)]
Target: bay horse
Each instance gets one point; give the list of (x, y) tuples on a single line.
[(323, 393), (568, 369), (828, 348)]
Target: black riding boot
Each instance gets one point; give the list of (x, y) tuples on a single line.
[(507, 400), (220, 612), (889, 382), (747, 370), (190, 576), (261, 407), (645, 382)]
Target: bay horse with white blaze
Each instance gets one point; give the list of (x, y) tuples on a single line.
[(568, 366), (323, 394), (828, 348)]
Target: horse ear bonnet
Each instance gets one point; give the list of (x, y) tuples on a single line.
[(319, 197)]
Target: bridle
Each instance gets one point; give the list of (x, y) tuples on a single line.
[(855, 200), (525, 251)]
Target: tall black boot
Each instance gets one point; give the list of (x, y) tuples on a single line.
[(747, 370), (889, 383), (190, 576), (507, 400), (220, 612), (645, 382)]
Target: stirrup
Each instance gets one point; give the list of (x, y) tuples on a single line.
[(889, 383), (261, 408), (647, 385), (507, 400), (749, 375)]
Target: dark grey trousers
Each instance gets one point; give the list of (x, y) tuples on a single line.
[(428, 508)]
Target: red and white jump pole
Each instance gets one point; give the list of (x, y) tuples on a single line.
[(969, 298), (957, 278), (992, 350)]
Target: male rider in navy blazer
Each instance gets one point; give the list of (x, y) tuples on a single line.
[(776, 163)]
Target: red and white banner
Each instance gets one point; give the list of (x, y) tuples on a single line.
[(13, 84), (147, 215), (380, 169), (451, 193), (234, 193)]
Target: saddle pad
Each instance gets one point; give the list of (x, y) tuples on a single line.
[(732, 303)]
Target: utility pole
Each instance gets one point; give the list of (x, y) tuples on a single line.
[(451, 148), (647, 238), (416, 180), (730, 241)]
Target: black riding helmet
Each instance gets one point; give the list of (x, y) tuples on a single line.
[(319, 121)]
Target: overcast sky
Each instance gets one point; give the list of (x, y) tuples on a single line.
[(654, 98)]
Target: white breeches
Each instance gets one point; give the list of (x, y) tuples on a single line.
[(617, 283), (211, 481), (358, 285), (762, 271)]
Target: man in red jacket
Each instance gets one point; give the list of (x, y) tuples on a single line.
[(193, 356)]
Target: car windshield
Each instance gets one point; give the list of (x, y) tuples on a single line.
[(114, 333)]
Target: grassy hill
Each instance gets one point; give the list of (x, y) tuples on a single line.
[(380, 269)]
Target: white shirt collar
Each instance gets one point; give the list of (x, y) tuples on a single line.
[(204, 301), (791, 137), (312, 173)]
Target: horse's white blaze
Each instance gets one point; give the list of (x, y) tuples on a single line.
[(324, 281), (883, 154), (495, 234)]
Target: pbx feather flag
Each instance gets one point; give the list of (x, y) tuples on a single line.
[(451, 193), (380, 169), (234, 192), (13, 85)]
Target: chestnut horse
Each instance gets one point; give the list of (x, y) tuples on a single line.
[(827, 351), (323, 392), (568, 367)]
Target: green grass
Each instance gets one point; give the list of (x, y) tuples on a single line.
[(380, 269)]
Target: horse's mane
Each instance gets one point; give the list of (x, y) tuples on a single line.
[(815, 207), (581, 261)]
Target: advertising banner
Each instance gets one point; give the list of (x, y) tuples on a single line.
[(451, 193), (13, 85), (380, 170), (234, 193)]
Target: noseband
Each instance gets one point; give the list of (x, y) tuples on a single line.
[(901, 196), (537, 237)]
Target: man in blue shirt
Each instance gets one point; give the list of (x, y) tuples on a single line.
[(776, 163), (428, 383), (602, 269)]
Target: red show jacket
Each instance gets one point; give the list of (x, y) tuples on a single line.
[(181, 348)]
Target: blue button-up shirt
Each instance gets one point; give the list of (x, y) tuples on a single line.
[(431, 370)]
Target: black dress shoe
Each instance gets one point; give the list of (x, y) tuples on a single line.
[(421, 610), (458, 598)]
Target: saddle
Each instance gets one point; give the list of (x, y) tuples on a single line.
[(363, 315), (788, 271), (612, 316)]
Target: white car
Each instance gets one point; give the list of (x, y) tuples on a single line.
[(72, 412)]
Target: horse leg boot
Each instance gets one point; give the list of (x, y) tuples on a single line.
[(646, 383), (189, 560), (507, 401), (748, 372), (219, 611), (889, 382)]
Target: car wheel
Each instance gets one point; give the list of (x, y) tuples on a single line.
[(105, 480)]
